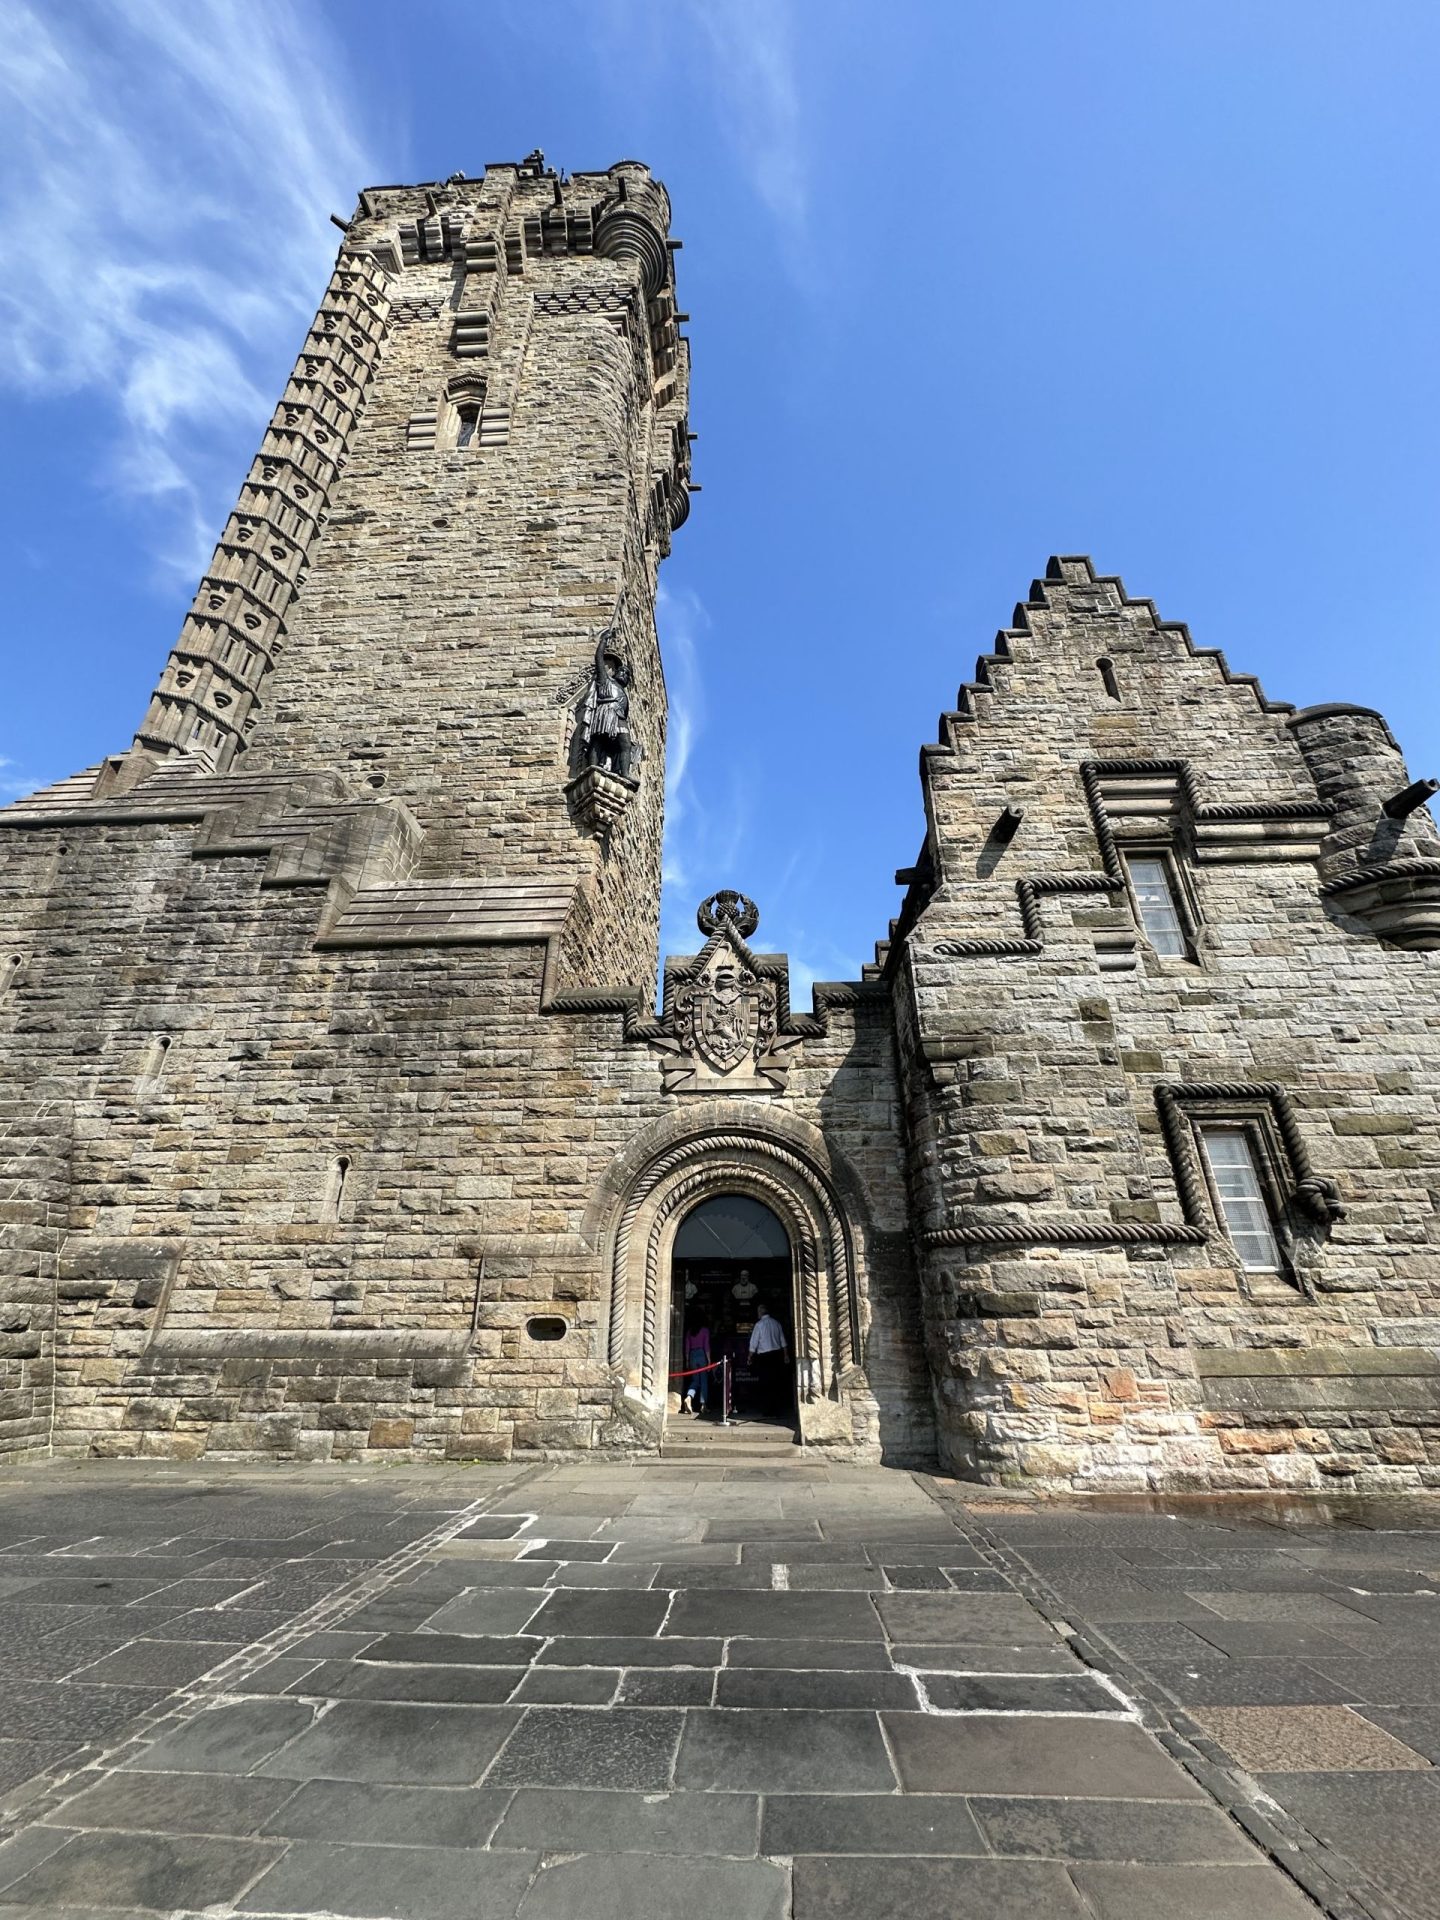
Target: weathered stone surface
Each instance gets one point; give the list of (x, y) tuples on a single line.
[(336, 1118)]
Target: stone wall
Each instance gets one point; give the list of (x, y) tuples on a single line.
[(1088, 1326), (331, 1070)]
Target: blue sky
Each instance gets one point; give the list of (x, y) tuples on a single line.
[(970, 284)]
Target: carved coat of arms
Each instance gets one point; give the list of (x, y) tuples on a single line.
[(721, 1026), (726, 1015)]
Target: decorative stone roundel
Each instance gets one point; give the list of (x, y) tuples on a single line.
[(728, 908)]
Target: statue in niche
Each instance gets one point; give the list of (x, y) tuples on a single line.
[(605, 716)]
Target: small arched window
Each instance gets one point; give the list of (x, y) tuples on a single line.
[(333, 1192), (152, 1066)]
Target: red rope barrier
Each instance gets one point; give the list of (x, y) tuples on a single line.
[(691, 1370)]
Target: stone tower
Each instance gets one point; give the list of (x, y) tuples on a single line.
[(473, 472), (337, 1119)]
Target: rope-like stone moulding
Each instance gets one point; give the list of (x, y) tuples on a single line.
[(1112, 878), (809, 1275), (1315, 1193), (1397, 870), (1064, 1233), (716, 1144)]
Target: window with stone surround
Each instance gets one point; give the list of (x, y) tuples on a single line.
[(1240, 1196), (467, 423), (1160, 905)]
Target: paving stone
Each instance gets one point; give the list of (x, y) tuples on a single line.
[(578, 1747), (1020, 1755), (1417, 1727), (774, 1687), (382, 1740), (1240, 1683), (86, 1591), (1109, 1830), (240, 1624), (495, 1526), (453, 1649), (1289, 1739), (161, 1872), (392, 1883), (698, 1824), (937, 1657), (1384, 1682), (835, 1577), (1190, 1893), (148, 1802), (500, 1573), (606, 1574), (749, 1577), (768, 1616), (276, 1676), (171, 1663), (786, 1751), (666, 1687), (567, 1686), (549, 1549), (618, 1651), (1248, 1639), (861, 1888), (1169, 1641), (983, 1619), (485, 1612), (918, 1579), (443, 1686), (1018, 1693), (226, 1739), (594, 1615), (387, 1816), (70, 1710), (851, 1656), (868, 1823), (806, 1551), (627, 1887), (21, 1760), (27, 1849)]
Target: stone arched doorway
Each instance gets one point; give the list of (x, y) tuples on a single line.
[(730, 1262), (833, 1394)]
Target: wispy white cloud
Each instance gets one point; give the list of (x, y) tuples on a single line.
[(167, 172), (707, 830), (14, 785), (751, 50), (713, 836)]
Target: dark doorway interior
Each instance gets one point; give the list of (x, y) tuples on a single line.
[(732, 1256)]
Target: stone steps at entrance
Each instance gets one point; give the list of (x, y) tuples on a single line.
[(708, 1440)]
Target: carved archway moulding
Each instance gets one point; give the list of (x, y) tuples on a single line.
[(737, 1160)]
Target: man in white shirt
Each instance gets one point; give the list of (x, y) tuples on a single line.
[(771, 1360)]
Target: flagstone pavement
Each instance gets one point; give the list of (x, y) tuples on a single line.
[(620, 1692)]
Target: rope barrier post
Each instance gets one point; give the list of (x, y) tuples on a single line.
[(725, 1390)]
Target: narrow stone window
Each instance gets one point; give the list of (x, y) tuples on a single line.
[(9, 973), (152, 1067), (1155, 905), (1242, 1198), (334, 1193), (468, 419), (1107, 675)]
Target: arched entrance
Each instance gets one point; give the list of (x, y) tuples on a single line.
[(731, 1262), (659, 1190)]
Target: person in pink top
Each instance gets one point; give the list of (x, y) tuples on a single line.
[(696, 1386)]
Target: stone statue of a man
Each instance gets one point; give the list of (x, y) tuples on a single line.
[(605, 717)]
